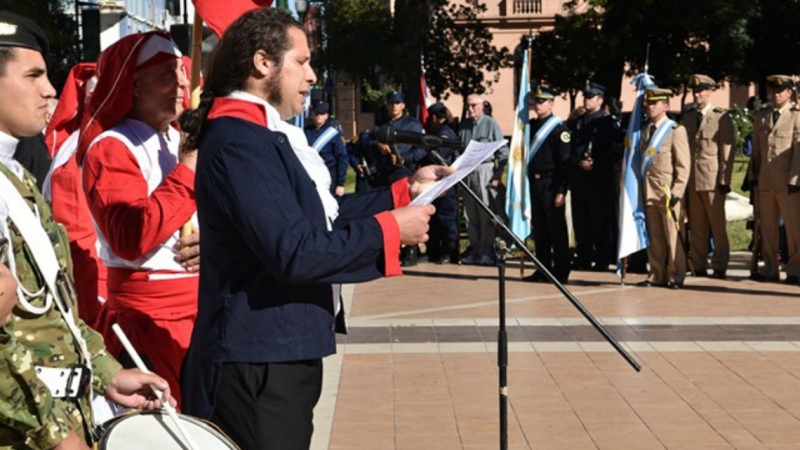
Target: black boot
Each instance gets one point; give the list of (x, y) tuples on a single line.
[(409, 255)]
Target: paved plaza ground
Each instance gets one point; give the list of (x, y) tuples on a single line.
[(720, 364)]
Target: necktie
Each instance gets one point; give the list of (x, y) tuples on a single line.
[(776, 114), (699, 119), (650, 132)]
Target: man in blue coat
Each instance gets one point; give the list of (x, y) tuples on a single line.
[(326, 139), (276, 244)]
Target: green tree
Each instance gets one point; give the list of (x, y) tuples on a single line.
[(459, 52), (776, 42), (567, 56), (60, 29), (359, 33), (709, 37), (411, 24)]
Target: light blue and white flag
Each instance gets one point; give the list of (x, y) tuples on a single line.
[(632, 227), (518, 193)]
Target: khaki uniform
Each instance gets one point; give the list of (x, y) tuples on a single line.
[(711, 146), (670, 167), (29, 416), (776, 165)]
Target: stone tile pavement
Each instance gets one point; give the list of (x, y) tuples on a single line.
[(720, 364)]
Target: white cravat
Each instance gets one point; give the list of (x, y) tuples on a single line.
[(309, 158)]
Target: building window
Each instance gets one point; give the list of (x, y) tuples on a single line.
[(527, 6)]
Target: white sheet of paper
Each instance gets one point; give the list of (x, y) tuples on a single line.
[(475, 154)]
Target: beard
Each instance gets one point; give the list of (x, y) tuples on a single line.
[(274, 94)]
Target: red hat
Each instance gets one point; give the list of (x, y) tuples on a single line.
[(112, 100), (69, 110)]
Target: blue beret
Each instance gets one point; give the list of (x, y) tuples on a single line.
[(438, 109), (322, 108)]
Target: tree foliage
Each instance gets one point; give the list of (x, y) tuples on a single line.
[(710, 37), (61, 31), (776, 41), (359, 37), (566, 57), (459, 55)]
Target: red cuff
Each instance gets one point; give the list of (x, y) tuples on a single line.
[(400, 194), (184, 175), (391, 242)]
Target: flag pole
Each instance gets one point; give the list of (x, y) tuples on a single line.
[(529, 50), (197, 60), (624, 268)]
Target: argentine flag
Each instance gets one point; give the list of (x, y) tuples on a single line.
[(632, 228), (518, 194)]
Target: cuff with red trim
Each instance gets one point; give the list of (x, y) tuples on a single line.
[(400, 195), (391, 243), (184, 176)]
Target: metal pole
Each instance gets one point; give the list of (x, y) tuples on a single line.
[(521, 245), (502, 341)]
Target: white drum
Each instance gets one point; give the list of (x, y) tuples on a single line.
[(151, 430)]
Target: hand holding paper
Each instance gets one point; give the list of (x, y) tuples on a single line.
[(475, 154)]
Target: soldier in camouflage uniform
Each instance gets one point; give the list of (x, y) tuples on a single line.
[(43, 335)]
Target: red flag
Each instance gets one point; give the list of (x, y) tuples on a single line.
[(424, 103), (218, 15), (67, 115)]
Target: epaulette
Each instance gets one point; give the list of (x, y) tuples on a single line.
[(676, 126), (718, 109), (796, 107)]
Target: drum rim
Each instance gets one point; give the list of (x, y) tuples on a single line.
[(214, 429)]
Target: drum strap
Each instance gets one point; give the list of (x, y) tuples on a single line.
[(39, 244)]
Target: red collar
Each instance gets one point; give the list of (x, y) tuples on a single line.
[(240, 109)]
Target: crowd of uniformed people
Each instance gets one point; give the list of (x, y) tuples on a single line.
[(685, 184)]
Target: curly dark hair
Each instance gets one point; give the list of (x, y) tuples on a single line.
[(231, 61)]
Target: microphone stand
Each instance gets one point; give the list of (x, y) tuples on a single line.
[(502, 339), (521, 245), (501, 251)]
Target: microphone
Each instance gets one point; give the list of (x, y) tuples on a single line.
[(387, 134)]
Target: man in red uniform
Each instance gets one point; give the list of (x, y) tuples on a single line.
[(63, 189), (140, 190)]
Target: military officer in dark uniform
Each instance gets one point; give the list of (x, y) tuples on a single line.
[(442, 244), (324, 136), (390, 164), (548, 174), (359, 158), (596, 149)]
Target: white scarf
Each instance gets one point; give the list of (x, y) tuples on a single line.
[(8, 146), (309, 158)]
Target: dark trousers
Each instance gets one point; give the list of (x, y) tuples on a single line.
[(444, 227), (549, 229), (269, 406), (593, 217)]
